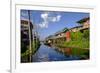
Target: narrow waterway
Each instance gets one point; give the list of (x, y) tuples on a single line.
[(46, 53)]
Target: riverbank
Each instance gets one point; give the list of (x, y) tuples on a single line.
[(77, 48), (78, 44)]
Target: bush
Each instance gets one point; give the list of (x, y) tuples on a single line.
[(86, 34), (76, 35), (23, 47), (78, 40)]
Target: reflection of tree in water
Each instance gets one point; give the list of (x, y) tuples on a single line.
[(46, 53)]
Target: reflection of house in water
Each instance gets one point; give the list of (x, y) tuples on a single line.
[(65, 34)]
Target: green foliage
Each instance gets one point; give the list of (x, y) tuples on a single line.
[(78, 40), (76, 35), (79, 44), (65, 29), (75, 44), (23, 47), (86, 34), (82, 53), (35, 46)]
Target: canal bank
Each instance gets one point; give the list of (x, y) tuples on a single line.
[(25, 57)]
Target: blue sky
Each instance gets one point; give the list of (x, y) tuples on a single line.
[(49, 22)]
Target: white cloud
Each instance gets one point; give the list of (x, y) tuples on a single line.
[(44, 25), (47, 17), (44, 16), (58, 17), (55, 18)]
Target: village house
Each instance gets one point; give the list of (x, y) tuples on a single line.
[(25, 31), (57, 37), (65, 34), (85, 22), (75, 29), (25, 40)]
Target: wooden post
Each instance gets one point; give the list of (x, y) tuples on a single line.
[(30, 43)]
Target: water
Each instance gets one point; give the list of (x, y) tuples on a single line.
[(46, 53)]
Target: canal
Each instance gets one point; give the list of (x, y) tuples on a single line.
[(46, 53)]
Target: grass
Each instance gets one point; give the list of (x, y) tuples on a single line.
[(76, 43)]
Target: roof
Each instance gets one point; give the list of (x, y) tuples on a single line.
[(25, 22), (62, 31), (57, 33), (76, 27), (83, 20)]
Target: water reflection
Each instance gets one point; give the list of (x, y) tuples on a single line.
[(46, 53)]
